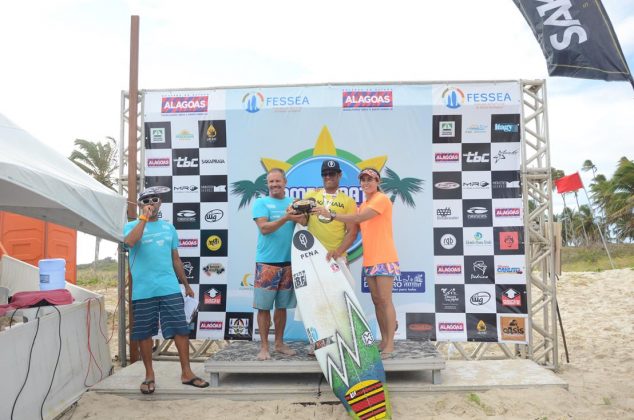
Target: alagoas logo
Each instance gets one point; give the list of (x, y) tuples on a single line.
[(366, 99), (211, 325), (188, 243), (303, 173), (184, 104), (158, 162), (447, 157)]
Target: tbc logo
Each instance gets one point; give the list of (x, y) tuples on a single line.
[(453, 98), (252, 102)]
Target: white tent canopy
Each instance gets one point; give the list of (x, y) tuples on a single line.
[(36, 181)]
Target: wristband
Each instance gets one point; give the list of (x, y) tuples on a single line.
[(142, 217)]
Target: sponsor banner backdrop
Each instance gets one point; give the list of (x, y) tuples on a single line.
[(450, 157)]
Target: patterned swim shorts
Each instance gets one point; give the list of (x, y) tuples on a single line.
[(391, 269)]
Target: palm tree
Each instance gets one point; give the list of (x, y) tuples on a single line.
[(249, 190), (621, 207), (99, 160), (403, 188)]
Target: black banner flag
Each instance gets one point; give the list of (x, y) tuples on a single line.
[(577, 39)]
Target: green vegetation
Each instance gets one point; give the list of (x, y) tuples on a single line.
[(594, 258), (104, 276)]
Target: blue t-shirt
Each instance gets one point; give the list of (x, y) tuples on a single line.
[(276, 246), (151, 260)]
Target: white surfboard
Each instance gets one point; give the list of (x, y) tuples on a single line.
[(338, 330)]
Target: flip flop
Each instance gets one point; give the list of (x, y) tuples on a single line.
[(193, 383), (149, 389)]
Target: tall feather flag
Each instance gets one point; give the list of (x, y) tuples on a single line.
[(577, 39)]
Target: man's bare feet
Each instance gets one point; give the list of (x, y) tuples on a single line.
[(264, 354), (285, 350)]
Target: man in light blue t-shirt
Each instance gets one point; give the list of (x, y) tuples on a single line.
[(273, 278), (156, 295)]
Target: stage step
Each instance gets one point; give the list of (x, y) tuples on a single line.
[(240, 357)]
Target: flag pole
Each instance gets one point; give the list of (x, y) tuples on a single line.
[(572, 222), (581, 221), (598, 227)]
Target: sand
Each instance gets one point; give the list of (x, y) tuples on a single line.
[(597, 311)]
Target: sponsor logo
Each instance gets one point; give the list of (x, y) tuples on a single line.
[(479, 270), (214, 188), (511, 297), (334, 267), (447, 157), (480, 298), (185, 188), (410, 282), (211, 134), (505, 269), (239, 326), (185, 216), (158, 162), (212, 268), (184, 135), (475, 185), (447, 185), (303, 240), (445, 214), (476, 157), (210, 325), (254, 101), (481, 326), (476, 129), (188, 243), (450, 295), (488, 97), (213, 161), (299, 279), (212, 297), (453, 97), (451, 326), (214, 215), (157, 135), (478, 240), (509, 241), (503, 154), (476, 211), (184, 104), (189, 268), (214, 243), (448, 241), (506, 127), (186, 162), (367, 99), (449, 269), (420, 327), (447, 129), (513, 328), (507, 212)]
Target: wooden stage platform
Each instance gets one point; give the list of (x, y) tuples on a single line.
[(240, 358)]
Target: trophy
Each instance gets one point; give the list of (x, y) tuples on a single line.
[(304, 206)]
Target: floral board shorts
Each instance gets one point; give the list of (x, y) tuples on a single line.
[(391, 269), (273, 285)]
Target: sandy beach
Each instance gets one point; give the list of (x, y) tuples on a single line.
[(597, 314)]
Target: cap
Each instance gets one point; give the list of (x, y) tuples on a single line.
[(330, 165), (153, 191), (371, 172)]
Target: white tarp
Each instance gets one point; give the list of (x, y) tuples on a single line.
[(37, 181)]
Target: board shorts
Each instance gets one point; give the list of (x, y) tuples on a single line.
[(273, 285), (168, 309), (391, 269)]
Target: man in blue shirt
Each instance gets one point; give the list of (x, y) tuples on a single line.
[(156, 295), (273, 278)]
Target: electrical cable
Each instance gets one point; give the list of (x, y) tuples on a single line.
[(28, 368), (59, 353)]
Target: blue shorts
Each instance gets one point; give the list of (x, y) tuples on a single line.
[(168, 310), (273, 284)]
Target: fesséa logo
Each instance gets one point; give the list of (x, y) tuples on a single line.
[(255, 101), (453, 97), (367, 99), (252, 102), (184, 104)]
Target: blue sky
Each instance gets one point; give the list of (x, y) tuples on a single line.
[(65, 62)]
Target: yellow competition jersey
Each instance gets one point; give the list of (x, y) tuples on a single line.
[(330, 234)]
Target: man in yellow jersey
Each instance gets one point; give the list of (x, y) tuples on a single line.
[(336, 236)]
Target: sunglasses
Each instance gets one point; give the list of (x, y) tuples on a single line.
[(152, 200), (329, 174)]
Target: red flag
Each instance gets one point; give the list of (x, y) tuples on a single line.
[(569, 183)]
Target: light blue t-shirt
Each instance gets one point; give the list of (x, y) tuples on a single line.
[(276, 246), (151, 260)]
